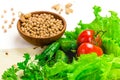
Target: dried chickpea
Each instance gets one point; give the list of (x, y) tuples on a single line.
[(41, 25), (12, 22), (22, 18), (5, 21), (5, 30), (13, 13), (68, 5), (56, 7), (3, 27), (2, 16), (11, 9), (5, 11), (13, 19), (27, 15), (68, 10), (10, 26)]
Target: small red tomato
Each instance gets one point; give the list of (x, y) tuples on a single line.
[(85, 36), (89, 36), (87, 48)]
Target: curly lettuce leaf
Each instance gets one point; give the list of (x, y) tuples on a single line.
[(73, 34), (111, 46), (86, 67), (111, 23)]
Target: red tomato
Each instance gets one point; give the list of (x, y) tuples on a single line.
[(87, 48), (89, 36), (85, 36)]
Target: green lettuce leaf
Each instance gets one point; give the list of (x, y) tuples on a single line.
[(106, 67)]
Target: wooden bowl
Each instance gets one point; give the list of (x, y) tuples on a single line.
[(46, 40)]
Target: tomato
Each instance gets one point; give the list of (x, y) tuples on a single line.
[(87, 48), (89, 36), (85, 36)]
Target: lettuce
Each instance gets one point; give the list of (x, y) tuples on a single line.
[(106, 67), (111, 24), (73, 34), (111, 46)]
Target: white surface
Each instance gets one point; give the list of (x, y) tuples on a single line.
[(82, 10)]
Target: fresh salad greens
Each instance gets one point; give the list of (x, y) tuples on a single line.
[(59, 62)]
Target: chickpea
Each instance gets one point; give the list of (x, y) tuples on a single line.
[(41, 25)]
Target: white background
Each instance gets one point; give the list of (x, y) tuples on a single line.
[(11, 41)]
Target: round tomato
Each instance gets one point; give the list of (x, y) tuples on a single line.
[(85, 36), (87, 48), (89, 36)]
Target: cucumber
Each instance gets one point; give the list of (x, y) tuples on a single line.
[(48, 53), (68, 45)]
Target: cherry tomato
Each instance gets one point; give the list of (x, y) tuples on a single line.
[(89, 36), (87, 48), (85, 36)]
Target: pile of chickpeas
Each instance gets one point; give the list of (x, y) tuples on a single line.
[(40, 25)]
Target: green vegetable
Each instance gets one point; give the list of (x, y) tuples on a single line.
[(60, 55), (68, 45), (111, 47), (87, 67), (48, 53), (72, 35), (22, 65), (33, 72), (57, 70), (10, 74)]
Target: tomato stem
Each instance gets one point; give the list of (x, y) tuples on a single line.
[(100, 31)]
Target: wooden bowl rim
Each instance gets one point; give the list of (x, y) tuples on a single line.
[(40, 12)]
